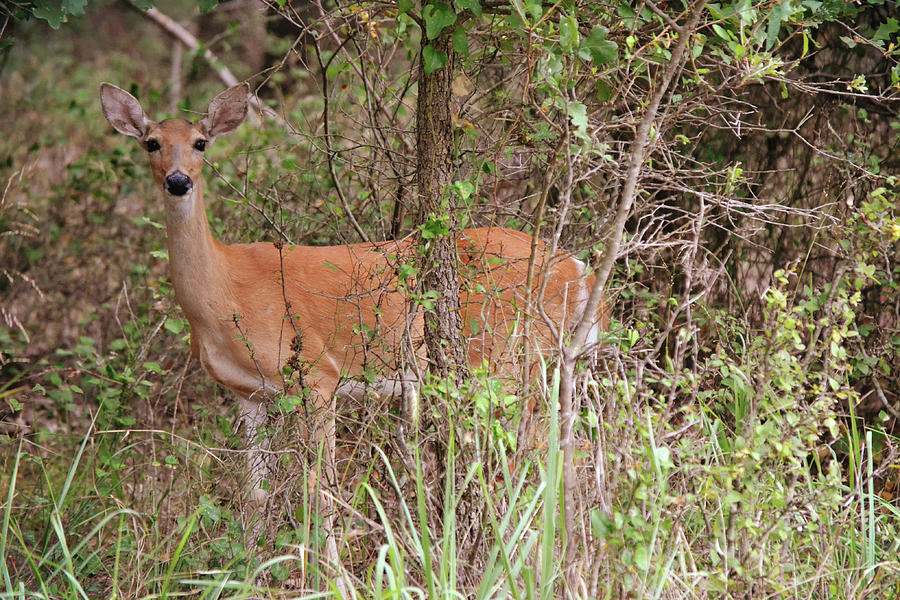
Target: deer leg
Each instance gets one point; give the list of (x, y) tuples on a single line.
[(323, 432), (329, 466), (253, 415)]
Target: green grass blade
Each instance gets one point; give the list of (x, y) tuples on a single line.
[(552, 478), (32, 562), (68, 570), (164, 593), (4, 528), (70, 476), (448, 539), (498, 535), (870, 536), (424, 534), (395, 564)]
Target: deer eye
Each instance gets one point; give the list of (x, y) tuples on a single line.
[(200, 145), (152, 145)]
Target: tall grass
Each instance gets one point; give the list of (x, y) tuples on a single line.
[(86, 545), (671, 522)]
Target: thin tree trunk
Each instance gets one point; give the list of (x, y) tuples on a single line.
[(435, 151), (640, 148), (435, 154)]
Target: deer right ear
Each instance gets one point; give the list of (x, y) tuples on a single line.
[(123, 111), (226, 111)]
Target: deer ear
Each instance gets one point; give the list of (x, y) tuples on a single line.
[(123, 111), (226, 111)]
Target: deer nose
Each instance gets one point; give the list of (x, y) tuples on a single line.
[(178, 184)]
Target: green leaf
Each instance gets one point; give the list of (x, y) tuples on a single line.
[(429, 299), (42, 9), (850, 42), (473, 5), (207, 5), (641, 558), (118, 344), (578, 114), (514, 22), (174, 325), (599, 523), (209, 509), (464, 189), (438, 17), (74, 7), (812, 5), (779, 14), (885, 30), (435, 227), (598, 48), (434, 59), (568, 33), (153, 367), (724, 34), (406, 271), (405, 6), (461, 42), (663, 457), (604, 91), (287, 404)]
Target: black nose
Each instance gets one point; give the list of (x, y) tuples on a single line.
[(178, 184)]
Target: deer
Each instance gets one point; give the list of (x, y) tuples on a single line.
[(337, 310)]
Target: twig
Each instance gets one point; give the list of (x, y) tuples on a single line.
[(329, 152), (243, 195), (175, 91), (668, 20), (640, 149), (236, 319), (879, 391)]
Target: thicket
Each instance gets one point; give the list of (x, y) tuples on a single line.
[(728, 170)]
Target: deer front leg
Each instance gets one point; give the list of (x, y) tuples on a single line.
[(325, 474), (330, 488), (253, 415)]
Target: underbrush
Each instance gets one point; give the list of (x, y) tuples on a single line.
[(746, 481)]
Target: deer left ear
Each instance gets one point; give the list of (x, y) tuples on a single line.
[(226, 111), (123, 111)]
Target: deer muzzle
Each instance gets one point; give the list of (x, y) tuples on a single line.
[(178, 184)]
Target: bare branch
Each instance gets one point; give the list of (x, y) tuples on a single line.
[(176, 30)]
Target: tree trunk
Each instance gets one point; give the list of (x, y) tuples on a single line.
[(435, 154), (435, 150)]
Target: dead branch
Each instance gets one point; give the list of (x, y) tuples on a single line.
[(180, 33)]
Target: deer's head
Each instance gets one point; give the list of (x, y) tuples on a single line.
[(175, 146)]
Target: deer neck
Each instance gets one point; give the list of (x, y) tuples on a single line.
[(196, 259)]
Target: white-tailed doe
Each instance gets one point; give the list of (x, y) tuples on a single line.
[(334, 311)]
